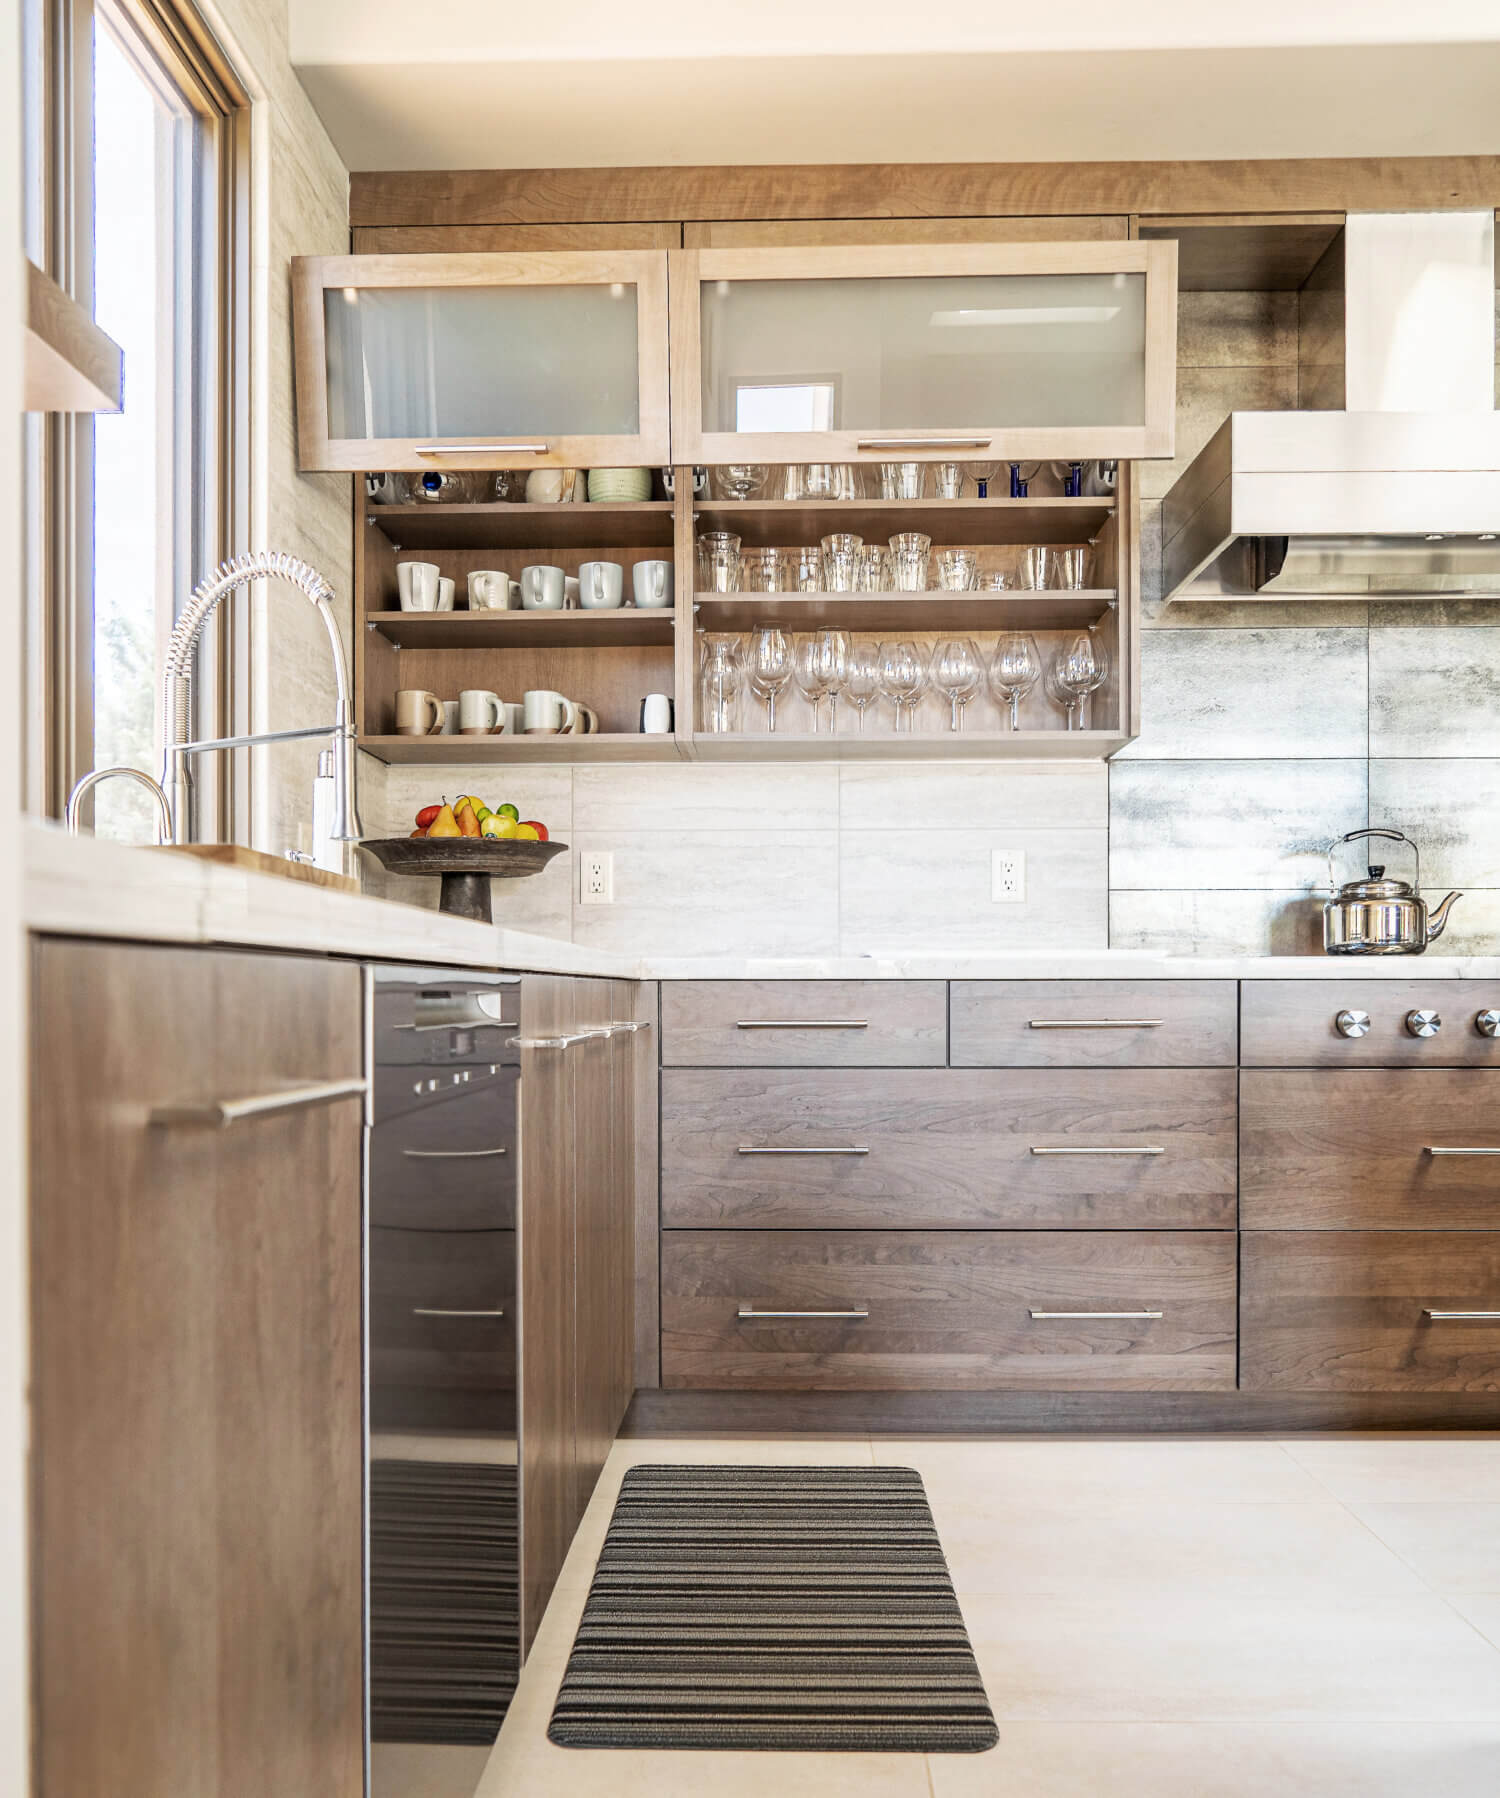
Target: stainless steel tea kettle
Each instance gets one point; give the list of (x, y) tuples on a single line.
[(1376, 916)]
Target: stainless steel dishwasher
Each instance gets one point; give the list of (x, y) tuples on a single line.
[(443, 1618)]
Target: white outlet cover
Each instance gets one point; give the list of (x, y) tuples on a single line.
[(596, 877), (1008, 876)]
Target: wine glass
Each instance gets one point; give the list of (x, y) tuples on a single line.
[(719, 683), (812, 674), (1016, 669), (902, 676), (862, 678), (833, 654), (955, 671), (738, 480), (981, 474), (769, 667), (1082, 666)]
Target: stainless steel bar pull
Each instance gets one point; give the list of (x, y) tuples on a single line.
[(1430, 1150), (481, 449), (443, 1311), (853, 1315), (218, 1114), (851, 1150), (550, 1042), (901, 443), (1123, 1149), (1453, 1317), (803, 1024), (452, 1154), (1098, 1314), (1096, 1023)]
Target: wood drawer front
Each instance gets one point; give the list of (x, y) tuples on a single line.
[(947, 1310), (948, 1148), (804, 1023), (1290, 1023), (416, 1273), (1349, 1151), (1093, 1023), (450, 1166), (1344, 1311)]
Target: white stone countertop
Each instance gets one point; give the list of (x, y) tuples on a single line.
[(76, 886)]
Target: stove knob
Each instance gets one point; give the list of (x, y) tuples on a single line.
[(1423, 1023), (1487, 1023), (1352, 1023)]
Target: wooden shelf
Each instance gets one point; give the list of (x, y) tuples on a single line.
[(886, 746), (643, 525), (932, 611), (611, 746), (627, 627), (786, 523)]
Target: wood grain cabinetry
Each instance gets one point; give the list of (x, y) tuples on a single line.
[(196, 1376), (1294, 1023), (804, 1023), (1093, 1023)]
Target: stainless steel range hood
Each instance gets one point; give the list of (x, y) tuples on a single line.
[(1400, 494)]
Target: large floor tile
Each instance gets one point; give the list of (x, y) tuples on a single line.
[(1422, 1467), (1086, 1471), (1453, 1547), (784, 1451), (1227, 1760), (424, 1770), (1196, 1658)]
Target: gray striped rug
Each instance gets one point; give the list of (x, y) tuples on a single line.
[(773, 1607)]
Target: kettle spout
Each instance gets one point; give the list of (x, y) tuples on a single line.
[(1437, 917)]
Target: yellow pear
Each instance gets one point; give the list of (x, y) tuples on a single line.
[(444, 824)]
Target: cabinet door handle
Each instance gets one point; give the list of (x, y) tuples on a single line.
[(549, 1042), (480, 449), (803, 1024), (1122, 1149), (1450, 1317), (854, 1315), (218, 1114), (632, 1025), (1460, 1151), (851, 1150), (442, 1311), (1096, 1023), (1098, 1314), (452, 1154), (894, 443)]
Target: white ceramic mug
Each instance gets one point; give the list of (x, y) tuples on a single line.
[(418, 713), (511, 719), (450, 718), (601, 586), (653, 585), (656, 715), (542, 588), (544, 713), (417, 583), (490, 590), (478, 712), (447, 593)]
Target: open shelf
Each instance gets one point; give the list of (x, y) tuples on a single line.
[(776, 523), (646, 524), (932, 611), (886, 746), (625, 627), (607, 746)]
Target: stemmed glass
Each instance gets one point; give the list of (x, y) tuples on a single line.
[(812, 675), (862, 679), (833, 659), (981, 474), (1081, 666), (956, 669), (902, 677), (739, 480), (1016, 669), (719, 683), (769, 667)]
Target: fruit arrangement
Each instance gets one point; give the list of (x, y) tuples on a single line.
[(469, 816)]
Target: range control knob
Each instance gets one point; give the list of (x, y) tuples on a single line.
[(1487, 1023), (1352, 1023), (1423, 1023)]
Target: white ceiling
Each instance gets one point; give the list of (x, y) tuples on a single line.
[(597, 83)]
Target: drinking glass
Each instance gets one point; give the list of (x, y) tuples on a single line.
[(902, 677), (948, 480), (718, 562), (901, 480), (1016, 669), (909, 555), (802, 569), (769, 667), (828, 480), (981, 474), (760, 571), (956, 669), (812, 674), (957, 569), (996, 580), (719, 683), (1069, 568), (1081, 666), (1031, 566), (738, 480), (872, 569), (841, 561), (862, 678)]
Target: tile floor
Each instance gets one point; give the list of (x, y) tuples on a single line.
[(1184, 1618)]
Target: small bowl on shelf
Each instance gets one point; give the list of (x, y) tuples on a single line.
[(617, 486), (466, 865)]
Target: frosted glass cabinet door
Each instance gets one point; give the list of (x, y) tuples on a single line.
[(480, 361), (936, 351)]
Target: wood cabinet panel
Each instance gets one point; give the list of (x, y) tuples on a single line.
[(775, 233), (804, 1023), (1290, 1023), (196, 1366), (947, 1310), (948, 1149), (1347, 1311), (1093, 1023), (1321, 1150)]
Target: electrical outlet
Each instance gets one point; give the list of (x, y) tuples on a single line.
[(596, 877), (1008, 876)]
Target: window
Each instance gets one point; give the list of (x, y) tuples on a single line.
[(145, 220), (785, 406)]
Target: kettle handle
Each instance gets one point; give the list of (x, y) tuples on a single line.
[(1395, 836)]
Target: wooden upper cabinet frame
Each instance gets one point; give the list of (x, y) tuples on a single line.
[(970, 437), (645, 270)]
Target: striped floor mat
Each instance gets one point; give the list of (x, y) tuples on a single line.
[(773, 1607)]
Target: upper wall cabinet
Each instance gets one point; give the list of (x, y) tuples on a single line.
[(482, 361), (963, 350)]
